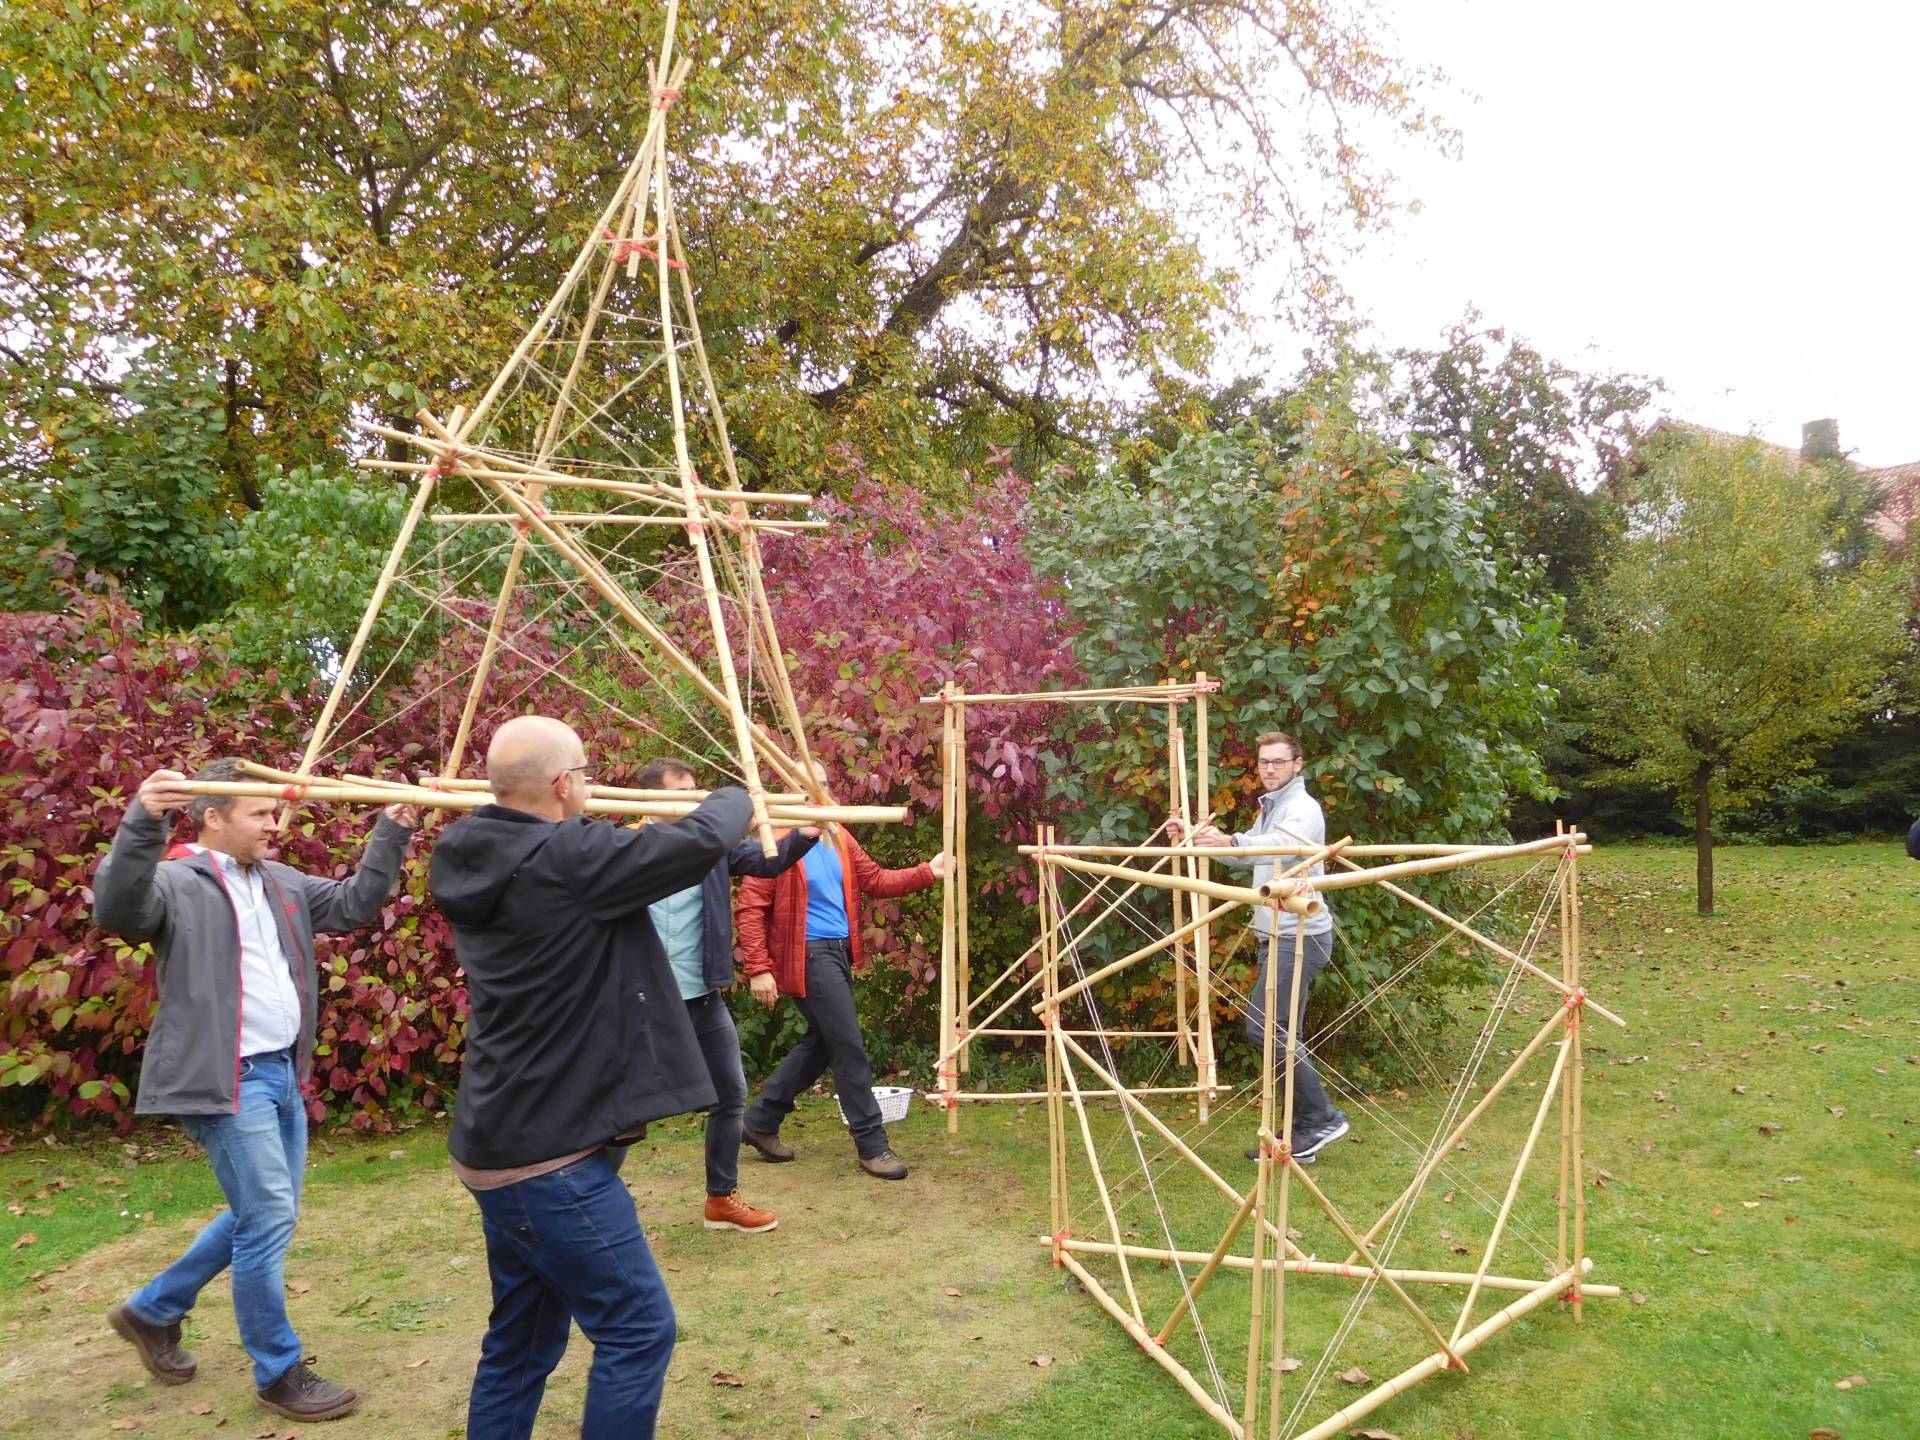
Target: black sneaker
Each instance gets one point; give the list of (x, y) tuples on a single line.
[(1313, 1144), (1253, 1153), (302, 1395)]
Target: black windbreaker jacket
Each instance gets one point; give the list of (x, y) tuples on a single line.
[(576, 1032)]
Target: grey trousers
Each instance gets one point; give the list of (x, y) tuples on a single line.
[(1312, 1110)]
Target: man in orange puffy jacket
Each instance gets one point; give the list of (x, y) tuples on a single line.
[(799, 934)]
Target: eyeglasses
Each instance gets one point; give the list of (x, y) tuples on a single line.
[(585, 772)]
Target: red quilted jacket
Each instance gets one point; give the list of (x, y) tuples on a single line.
[(770, 917)]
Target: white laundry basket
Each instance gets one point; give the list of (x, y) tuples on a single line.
[(893, 1100)]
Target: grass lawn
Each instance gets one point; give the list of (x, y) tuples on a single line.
[(1753, 1152)]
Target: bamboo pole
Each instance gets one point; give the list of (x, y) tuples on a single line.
[(958, 863), (1160, 1357), (1563, 1199), (623, 792), (433, 798), (1438, 863), (948, 1073), (1174, 1142), (1099, 1179), (1202, 870), (1191, 1295), (1323, 1268), (1245, 895), (1176, 805), (1278, 850), (1276, 1377), (1337, 1423), (697, 532), (1146, 694), (1116, 1035), (484, 464), (1445, 1147), (1263, 1174), (1513, 1185), (1577, 1024), (1152, 947), (608, 517), (1056, 1119), (983, 1096), (1367, 1256)]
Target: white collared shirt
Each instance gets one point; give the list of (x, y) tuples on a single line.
[(269, 1002)]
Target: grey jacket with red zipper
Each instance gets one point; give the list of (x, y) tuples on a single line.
[(192, 1064)]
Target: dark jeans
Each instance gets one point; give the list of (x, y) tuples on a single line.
[(720, 1043), (1311, 1109), (259, 1155), (566, 1246), (832, 1039)]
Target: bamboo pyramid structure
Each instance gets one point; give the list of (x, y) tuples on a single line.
[(560, 464), (1149, 1227)]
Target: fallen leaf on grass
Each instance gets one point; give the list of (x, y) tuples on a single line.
[(123, 1425), (1821, 1432), (416, 1364), (1739, 1089), (1698, 1251), (1355, 1376), (721, 1377), (14, 1327), (1836, 1110), (1042, 1361), (772, 1290), (952, 1291), (1459, 1249), (1637, 1298), (1289, 1364), (29, 1238), (1852, 1382), (1769, 1128), (1373, 1435), (814, 1412), (203, 1409), (1789, 1179), (976, 1337)]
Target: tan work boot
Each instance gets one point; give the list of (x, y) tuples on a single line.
[(159, 1345), (771, 1147), (730, 1212), (884, 1166)]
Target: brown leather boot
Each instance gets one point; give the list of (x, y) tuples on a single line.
[(159, 1345), (771, 1147), (302, 1395), (730, 1212), (884, 1166)]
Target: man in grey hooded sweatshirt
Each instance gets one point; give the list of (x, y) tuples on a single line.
[(1288, 816)]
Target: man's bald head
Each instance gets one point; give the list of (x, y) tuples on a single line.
[(527, 755)]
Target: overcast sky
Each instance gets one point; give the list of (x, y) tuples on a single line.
[(1725, 195)]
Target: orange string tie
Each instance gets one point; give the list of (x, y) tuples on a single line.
[(293, 792), (663, 98), (736, 520), (1576, 999)]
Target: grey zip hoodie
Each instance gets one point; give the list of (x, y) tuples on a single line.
[(192, 1061), (1288, 816)]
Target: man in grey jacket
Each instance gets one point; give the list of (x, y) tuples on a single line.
[(230, 1044), (1288, 816)]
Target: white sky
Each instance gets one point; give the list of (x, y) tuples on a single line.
[(1724, 195)]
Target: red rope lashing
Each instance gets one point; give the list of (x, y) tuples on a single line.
[(663, 98)]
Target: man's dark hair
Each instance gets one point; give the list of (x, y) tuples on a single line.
[(226, 770), (1276, 737), (654, 773)]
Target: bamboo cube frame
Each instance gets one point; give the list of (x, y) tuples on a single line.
[(1266, 1201), (1192, 943)]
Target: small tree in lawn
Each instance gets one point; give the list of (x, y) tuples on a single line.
[(1730, 634)]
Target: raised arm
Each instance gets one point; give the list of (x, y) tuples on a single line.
[(880, 883), (355, 901), (618, 872), (128, 898), (746, 858)]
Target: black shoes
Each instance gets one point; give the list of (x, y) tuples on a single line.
[(302, 1395), (1307, 1148), (159, 1345)]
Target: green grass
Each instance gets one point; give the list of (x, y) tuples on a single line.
[(1769, 1264)]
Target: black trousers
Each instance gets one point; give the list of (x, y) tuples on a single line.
[(832, 1041)]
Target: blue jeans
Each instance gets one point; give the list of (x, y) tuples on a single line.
[(720, 1043), (259, 1155), (566, 1246)]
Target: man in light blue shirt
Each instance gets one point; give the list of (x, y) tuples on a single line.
[(695, 926)]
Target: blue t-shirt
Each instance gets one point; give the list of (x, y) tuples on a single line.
[(826, 893), (680, 922)]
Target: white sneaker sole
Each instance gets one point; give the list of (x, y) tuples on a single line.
[(1306, 1156), (743, 1229)]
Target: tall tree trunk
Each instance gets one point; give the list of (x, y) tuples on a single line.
[(1703, 837)]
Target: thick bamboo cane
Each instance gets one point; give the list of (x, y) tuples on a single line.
[(1246, 895), (1099, 1178), (1175, 806), (1445, 1147), (1276, 1375), (948, 1073), (1339, 1421), (957, 860), (1563, 1199), (1277, 850), (323, 727), (1438, 863), (1146, 694), (1153, 947), (1323, 1268), (1049, 982), (697, 532), (1160, 1357), (623, 792), (1190, 1297), (1263, 1176), (1180, 1147), (484, 464), (1513, 1185), (1202, 870), (1367, 1257), (607, 517), (434, 798), (986, 1096), (1578, 1025)]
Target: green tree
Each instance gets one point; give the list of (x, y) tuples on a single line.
[(1731, 632), (919, 229)]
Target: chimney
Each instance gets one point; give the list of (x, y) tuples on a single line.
[(1820, 440)]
